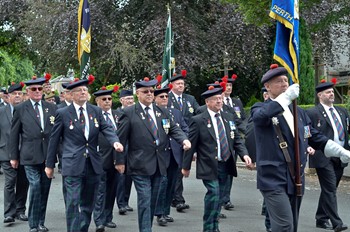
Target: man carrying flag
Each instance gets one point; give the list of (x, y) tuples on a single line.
[(168, 55), (84, 38), (278, 146)]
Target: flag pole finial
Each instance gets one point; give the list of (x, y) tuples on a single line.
[(168, 7)]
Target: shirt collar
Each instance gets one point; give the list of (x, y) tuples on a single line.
[(33, 102), (77, 107)]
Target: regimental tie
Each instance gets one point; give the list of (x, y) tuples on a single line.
[(228, 101), (338, 125), (152, 123), (36, 108), (109, 121), (179, 102), (82, 119), (225, 153)]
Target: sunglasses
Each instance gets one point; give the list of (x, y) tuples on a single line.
[(148, 91), (106, 98), (36, 88), (163, 96)]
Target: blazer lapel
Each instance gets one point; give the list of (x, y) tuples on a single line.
[(32, 113), (74, 120), (45, 113), (209, 124), (324, 114), (141, 113), (8, 113)]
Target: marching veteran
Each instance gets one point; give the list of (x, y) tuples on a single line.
[(79, 125)]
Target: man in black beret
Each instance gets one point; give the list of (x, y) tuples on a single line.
[(216, 139), (79, 126), (146, 128), (103, 211), (332, 121), (275, 151), (124, 181), (31, 127), (174, 160), (16, 183), (188, 105)]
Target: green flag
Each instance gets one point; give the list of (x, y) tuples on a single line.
[(84, 38), (168, 55)]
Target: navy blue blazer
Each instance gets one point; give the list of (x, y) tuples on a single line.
[(145, 155), (189, 105), (176, 147), (272, 168), (74, 143), (321, 121), (203, 140)]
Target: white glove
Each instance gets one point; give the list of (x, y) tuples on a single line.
[(284, 99), (333, 149)]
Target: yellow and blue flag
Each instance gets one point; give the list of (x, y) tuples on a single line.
[(84, 38), (286, 52)]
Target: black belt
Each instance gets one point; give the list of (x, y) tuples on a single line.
[(284, 147)]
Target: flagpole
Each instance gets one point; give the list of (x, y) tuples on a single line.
[(298, 183), (169, 39)]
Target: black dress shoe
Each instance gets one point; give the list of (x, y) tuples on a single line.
[(228, 206), (128, 208), (221, 215), (182, 206), (33, 230), (111, 225), (42, 228), (9, 219), (122, 211), (340, 227), (100, 228), (161, 221), (168, 218), (268, 230), (22, 217), (324, 225)]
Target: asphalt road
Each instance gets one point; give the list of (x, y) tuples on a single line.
[(245, 217)]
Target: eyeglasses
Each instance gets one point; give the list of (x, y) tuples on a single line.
[(106, 98), (17, 93), (36, 88), (147, 91), (163, 96)]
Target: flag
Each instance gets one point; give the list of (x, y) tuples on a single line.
[(286, 52), (84, 38), (168, 55)]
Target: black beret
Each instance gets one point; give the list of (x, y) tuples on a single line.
[(180, 76), (323, 86), (15, 87), (211, 92), (82, 82), (35, 81), (146, 82), (64, 85), (3, 90), (263, 90), (163, 90), (215, 85), (103, 92), (125, 93), (274, 71)]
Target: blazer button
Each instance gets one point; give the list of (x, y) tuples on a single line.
[(87, 144), (216, 157), (43, 138)]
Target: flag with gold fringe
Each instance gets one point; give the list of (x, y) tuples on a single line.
[(286, 51), (84, 38)]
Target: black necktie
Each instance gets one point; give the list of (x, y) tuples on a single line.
[(179, 102), (338, 125), (152, 123), (36, 108), (225, 153), (82, 119), (108, 120), (228, 101)]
